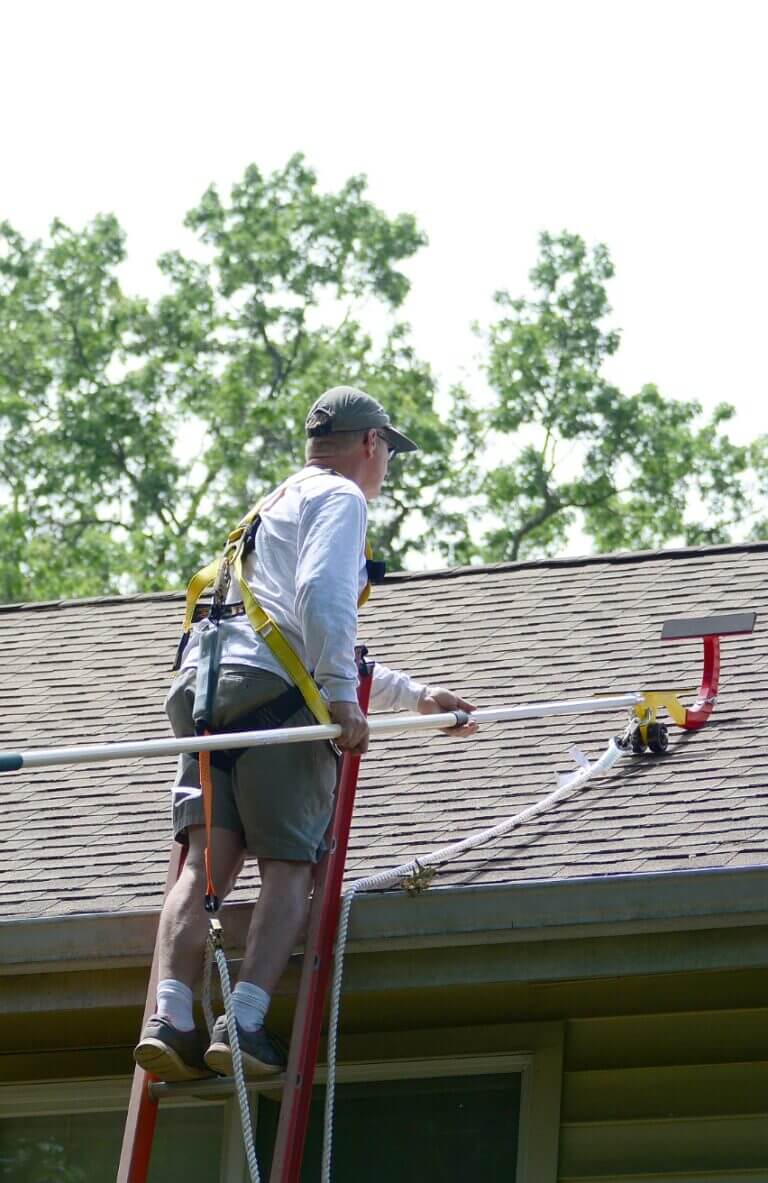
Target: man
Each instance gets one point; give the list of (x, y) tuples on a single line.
[(307, 570)]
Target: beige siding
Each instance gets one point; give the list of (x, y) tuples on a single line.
[(673, 1096)]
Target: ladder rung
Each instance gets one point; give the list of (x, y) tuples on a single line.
[(214, 1086)]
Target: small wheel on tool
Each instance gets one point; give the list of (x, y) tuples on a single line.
[(638, 745), (658, 738)]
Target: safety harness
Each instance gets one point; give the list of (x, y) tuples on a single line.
[(304, 690)]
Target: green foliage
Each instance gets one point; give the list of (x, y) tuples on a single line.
[(133, 436), (44, 1160), (759, 488), (633, 471), (85, 446)]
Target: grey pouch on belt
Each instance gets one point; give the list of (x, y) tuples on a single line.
[(207, 676)]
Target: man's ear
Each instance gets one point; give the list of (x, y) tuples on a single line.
[(370, 442)]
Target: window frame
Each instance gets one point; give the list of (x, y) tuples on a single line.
[(534, 1050)]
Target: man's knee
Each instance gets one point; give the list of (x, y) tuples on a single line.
[(227, 858), (287, 868), (283, 875)]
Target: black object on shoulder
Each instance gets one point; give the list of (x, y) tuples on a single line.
[(377, 569), (249, 542)]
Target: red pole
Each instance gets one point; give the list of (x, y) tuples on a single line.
[(697, 715), (142, 1110), (316, 970)]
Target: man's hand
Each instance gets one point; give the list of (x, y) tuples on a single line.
[(354, 727), (437, 701)]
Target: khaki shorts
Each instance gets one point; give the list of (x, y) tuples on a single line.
[(278, 798)]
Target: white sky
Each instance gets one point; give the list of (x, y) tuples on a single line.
[(640, 124)]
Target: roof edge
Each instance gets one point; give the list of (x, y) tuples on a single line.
[(613, 558), (536, 910)]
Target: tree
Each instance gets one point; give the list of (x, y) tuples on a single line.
[(31, 1160), (634, 471), (84, 454), (133, 436)]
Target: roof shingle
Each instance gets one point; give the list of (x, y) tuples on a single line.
[(95, 839)]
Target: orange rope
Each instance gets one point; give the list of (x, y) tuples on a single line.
[(206, 785)]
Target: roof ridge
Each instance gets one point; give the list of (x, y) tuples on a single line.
[(89, 601), (612, 557)]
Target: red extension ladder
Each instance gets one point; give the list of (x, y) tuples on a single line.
[(313, 988)]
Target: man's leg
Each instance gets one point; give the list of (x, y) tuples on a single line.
[(277, 923), (184, 922), (169, 1046)]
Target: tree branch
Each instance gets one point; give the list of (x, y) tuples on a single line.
[(278, 365), (551, 506), (197, 498)]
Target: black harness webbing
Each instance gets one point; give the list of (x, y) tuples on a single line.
[(266, 717)]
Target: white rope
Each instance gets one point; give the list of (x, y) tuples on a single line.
[(567, 786), (210, 1018), (234, 1043)]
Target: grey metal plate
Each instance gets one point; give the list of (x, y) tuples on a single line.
[(723, 625)]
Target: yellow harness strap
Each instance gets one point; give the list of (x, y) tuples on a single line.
[(197, 585), (266, 627), (260, 620)]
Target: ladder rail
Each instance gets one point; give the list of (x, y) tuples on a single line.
[(139, 1129), (316, 970)]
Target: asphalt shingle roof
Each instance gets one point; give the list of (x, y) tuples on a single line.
[(96, 838)]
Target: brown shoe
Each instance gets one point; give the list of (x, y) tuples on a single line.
[(262, 1054), (170, 1054)]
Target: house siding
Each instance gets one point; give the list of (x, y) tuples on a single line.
[(666, 1096)]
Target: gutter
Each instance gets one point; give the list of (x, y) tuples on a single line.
[(537, 911)]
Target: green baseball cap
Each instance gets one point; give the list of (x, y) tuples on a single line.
[(343, 408)]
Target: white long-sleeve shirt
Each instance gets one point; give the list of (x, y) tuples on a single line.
[(307, 570)]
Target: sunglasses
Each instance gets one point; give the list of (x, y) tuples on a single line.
[(391, 452)]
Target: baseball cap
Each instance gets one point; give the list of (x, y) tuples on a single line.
[(344, 408)]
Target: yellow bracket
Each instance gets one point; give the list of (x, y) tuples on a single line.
[(653, 701)]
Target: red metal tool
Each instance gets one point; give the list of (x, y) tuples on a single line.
[(710, 629)]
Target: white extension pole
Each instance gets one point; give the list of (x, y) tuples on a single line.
[(133, 749)]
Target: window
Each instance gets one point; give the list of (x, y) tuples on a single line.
[(450, 1129), (85, 1147)]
